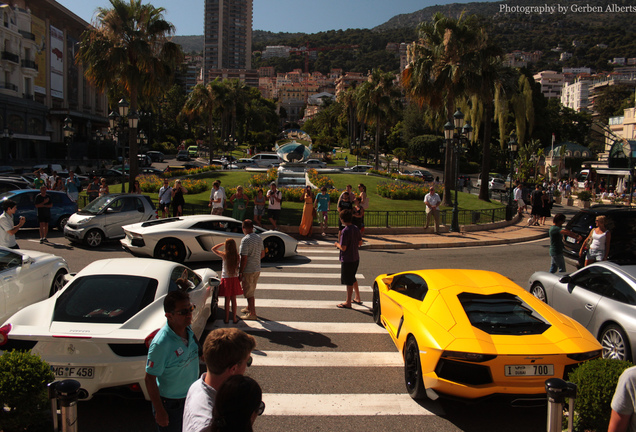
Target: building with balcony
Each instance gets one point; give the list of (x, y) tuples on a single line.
[(551, 83), (577, 94), (227, 51), (41, 85)]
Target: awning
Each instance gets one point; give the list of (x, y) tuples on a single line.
[(31, 137), (608, 171)]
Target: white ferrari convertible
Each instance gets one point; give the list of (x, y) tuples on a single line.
[(190, 238), (97, 329)]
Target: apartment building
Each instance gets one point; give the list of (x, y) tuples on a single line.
[(551, 83), (577, 94), (227, 49), (41, 85)]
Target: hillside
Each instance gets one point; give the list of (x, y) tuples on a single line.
[(576, 31)]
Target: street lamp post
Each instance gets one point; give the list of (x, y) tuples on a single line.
[(457, 138), (68, 138), (512, 149), (357, 145)]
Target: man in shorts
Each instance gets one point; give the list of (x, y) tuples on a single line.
[(165, 198), (273, 210), (348, 244), (43, 205), (252, 252), (322, 207), (216, 199)]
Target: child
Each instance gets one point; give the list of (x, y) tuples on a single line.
[(230, 284)]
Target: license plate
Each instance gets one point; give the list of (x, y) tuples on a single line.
[(570, 239), (529, 370), (85, 372)]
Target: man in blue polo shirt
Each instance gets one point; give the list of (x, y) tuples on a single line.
[(173, 363)]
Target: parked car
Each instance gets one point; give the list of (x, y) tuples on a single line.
[(473, 334), (266, 159), (600, 296), (193, 151), (244, 163), (96, 330), (315, 163), (423, 174), (156, 156), (495, 182), (61, 211), (359, 168), (219, 162), (28, 277), (109, 174), (620, 220), (12, 183), (183, 155), (103, 218), (190, 238), (144, 160)]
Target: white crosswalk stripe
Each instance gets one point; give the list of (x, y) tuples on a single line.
[(278, 277)]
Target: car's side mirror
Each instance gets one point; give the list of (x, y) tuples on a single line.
[(387, 281), (26, 260), (565, 279)]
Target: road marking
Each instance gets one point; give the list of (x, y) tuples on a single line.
[(304, 275), (304, 287), (316, 258), (295, 326), (327, 359), (343, 405), (303, 251), (307, 265), (302, 304)]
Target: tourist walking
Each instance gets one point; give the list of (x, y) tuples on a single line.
[(275, 198), (322, 208), (345, 203), (216, 198), (177, 198), (348, 243), (259, 207), (43, 205), (432, 201), (252, 252), (556, 233), (103, 189), (307, 221), (230, 285), (165, 198), (238, 404), (7, 228), (72, 186), (93, 189), (357, 215), (599, 242), (239, 203)]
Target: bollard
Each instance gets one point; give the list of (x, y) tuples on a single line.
[(557, 391), (64, 394)]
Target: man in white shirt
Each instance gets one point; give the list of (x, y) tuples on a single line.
[(273, 210), (432, 201), (165, 198), (226, 352), (521, 205), (216, 199), (7, 227)]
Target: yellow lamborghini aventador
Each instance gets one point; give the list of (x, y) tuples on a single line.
[(474, 334)]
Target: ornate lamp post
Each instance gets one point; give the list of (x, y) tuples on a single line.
[(68, 138), (357, 144), (457, 138), (513, 146)]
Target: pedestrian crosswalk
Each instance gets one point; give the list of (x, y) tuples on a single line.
[(301, 335)]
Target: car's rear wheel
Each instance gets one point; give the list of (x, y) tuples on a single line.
[(61, 223), (615, 343), (538, 291), (413, 370), (94, 238), (171, 250), (376, 305), (274, 248), (58, 282)]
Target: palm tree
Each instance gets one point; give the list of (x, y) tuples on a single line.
[(378, 99), (128, 48), (437, 73), (205, 102)]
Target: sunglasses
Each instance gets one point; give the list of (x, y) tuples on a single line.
[(186, 311), (249, 362), (261, 408)]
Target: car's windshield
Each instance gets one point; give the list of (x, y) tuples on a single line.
[(111, 299), (98, 205), (502, 314)]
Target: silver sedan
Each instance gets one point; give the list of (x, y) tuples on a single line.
[(602, 297)]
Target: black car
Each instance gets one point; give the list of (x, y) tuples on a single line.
[(621, 221), (156, 156)]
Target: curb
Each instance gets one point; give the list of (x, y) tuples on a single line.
[(455, 244)]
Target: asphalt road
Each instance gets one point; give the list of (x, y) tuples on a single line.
[(323, 368)]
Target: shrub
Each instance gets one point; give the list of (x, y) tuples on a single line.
[(404, 191), (152, 184), (23, 393), (596, 381), (584, 195), (319, 180)]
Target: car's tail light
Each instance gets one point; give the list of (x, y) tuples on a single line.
[(135, 387), (585, 356), (150, 337), (466, 356), (4, 334)]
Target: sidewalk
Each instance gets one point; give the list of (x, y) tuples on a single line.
[(516, 233)]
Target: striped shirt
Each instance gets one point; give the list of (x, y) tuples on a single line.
[(251, 247)]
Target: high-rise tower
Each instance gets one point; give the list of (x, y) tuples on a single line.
[(228, 38)]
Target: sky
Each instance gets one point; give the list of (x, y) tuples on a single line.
[(306, 16)]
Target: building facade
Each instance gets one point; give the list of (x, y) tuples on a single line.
[(41, 85), (228, 39)]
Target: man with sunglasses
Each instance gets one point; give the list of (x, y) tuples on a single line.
[(173, 362), (227, 352)]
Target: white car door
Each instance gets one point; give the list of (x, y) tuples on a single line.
[(120, 212), (580, 297), (22, 285), (211, 233)]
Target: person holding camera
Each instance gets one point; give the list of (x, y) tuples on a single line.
[(7, 228)]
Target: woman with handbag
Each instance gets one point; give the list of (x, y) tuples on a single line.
[(597, 242)]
